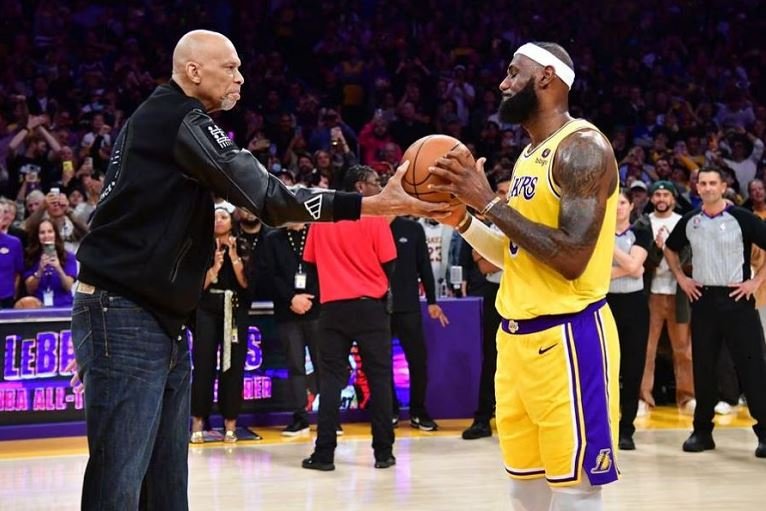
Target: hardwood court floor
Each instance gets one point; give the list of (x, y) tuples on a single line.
[(435, 471)]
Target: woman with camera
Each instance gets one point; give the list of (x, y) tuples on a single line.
[(50, 269), (216, 327)]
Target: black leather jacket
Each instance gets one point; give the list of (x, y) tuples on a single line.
[(151, 237)]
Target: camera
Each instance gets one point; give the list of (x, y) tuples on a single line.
[(49, 248)]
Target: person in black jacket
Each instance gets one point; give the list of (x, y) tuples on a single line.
[(296, 311), (412, 261), (144, 261)]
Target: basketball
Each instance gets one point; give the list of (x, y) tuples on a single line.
[(422, 154)]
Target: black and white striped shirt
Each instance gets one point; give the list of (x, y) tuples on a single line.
[(720, 244)]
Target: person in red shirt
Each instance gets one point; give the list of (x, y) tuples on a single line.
[(354, 261)]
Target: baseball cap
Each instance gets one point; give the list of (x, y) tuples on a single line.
[(664, 185), (638, 184)]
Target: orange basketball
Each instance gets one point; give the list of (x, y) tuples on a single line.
[(422, 154)]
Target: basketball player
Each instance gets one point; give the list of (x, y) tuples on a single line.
[(558, 354)]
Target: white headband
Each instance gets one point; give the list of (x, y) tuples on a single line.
[(546, 58)]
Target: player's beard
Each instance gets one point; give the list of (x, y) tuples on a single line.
[(518, 108)]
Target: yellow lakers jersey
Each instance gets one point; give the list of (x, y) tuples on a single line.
[(529, 287)]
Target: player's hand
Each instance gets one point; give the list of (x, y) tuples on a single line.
[(436, 312), (466, 181), (690, 287), (394, 201), (743, 290)]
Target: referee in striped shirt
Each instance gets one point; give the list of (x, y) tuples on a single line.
[(723, 308)]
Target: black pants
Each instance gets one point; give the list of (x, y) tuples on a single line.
[(631, 315), (208, 336), (716, 319), (490, 322), (408, 328), (367, 323), (296, 335), (728, 383)]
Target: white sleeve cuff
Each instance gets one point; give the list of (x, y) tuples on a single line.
[(490, 244)]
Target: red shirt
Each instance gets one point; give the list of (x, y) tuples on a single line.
[(349, 255)]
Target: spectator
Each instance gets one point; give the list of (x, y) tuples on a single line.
[(216, 327), (668, 305), (413, 266), (354, 261), (296, 310), (50, 269), (8, 223), (55, 207), (11, 260)]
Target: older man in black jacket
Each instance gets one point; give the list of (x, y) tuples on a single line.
[(144, 262)]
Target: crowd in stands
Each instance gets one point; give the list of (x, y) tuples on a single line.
[(675, 86)]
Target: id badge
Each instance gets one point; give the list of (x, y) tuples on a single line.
[(300, 281), (48, 297)]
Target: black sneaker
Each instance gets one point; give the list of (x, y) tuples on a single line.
[(479, 429), (296, 428), (760, 451), (698, 442), (313, 463), (626, 443), (388, 462), (423, 423)]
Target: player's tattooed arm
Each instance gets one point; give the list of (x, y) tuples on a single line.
[(585, 172)]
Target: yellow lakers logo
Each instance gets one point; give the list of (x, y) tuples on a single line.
[(513, 327), (603, 462)]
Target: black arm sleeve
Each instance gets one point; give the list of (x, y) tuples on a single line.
[(643, 237), (753, 227), (204, 151), (677, 239), (424, 265)]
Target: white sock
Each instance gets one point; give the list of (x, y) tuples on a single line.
[(582, 497), (530, 494)]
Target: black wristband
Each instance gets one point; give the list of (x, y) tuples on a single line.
[(346, 206)]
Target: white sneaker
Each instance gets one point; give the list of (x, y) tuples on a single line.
[(643, 408), (724, 408), (689, 407)]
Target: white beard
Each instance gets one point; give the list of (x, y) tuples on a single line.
[(227, 102)]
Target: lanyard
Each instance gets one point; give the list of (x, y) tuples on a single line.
[(298, 251)]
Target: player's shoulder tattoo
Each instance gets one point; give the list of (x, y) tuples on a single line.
[(584, 164)]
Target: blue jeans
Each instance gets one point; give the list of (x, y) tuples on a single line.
[(137, 381)]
